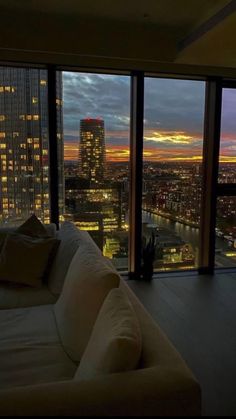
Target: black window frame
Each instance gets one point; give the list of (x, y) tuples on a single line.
[(211, 145)]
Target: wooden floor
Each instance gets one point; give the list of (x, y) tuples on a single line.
[(198, 314)]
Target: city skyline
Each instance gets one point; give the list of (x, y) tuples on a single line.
[(173, 118)]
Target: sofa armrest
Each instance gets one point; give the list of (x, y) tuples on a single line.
[(155, 391)]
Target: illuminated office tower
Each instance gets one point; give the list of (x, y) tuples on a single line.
[(24, 152), (92, 150)]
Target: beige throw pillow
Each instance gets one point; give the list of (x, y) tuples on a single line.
[(115, 343), (33, 228), (24, 260)]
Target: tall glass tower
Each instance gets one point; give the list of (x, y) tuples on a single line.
[(24, 151), (92, 150)]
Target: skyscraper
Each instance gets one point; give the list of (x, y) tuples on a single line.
[(92, 150), (24, 151)]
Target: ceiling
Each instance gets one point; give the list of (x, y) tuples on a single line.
[(187, 32), (170, 13)]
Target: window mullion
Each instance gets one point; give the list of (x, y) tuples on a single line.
[(53, 155), (136, 151), (210, 174)]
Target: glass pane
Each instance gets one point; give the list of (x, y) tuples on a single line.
[(96, 111), (225, 252), (60, 143), (172, 170), (24, 186), (227, 159)]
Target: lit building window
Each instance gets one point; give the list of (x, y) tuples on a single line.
[(2, 117), (43, 82), (34, 100), (2, 135), (10, 89)]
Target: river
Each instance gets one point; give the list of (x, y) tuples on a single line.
[(187, 233)]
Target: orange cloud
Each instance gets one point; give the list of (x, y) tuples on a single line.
[(174, 137), (180, 146), (117, 153)]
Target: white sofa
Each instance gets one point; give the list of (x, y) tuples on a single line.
[(41, 347)]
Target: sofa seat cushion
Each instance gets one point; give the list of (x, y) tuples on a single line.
[(30, 348), (16, 296), (88, 281)]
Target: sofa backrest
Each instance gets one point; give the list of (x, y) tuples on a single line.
[(70, 238), (89, 279)]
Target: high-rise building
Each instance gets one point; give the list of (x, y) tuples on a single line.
[(24, 151), (92, 150)]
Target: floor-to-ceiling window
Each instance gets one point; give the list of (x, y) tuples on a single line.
[(172, 170), (93, 160), (225, 248), (96, 119)]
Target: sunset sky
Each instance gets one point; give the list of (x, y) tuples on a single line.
[(174, 116)]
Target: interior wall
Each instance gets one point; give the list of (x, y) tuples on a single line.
[(67, 35), (69, 41)]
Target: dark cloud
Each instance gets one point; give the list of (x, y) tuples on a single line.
[(228, 123), (174, 104), (171, 106), (94, 95)]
